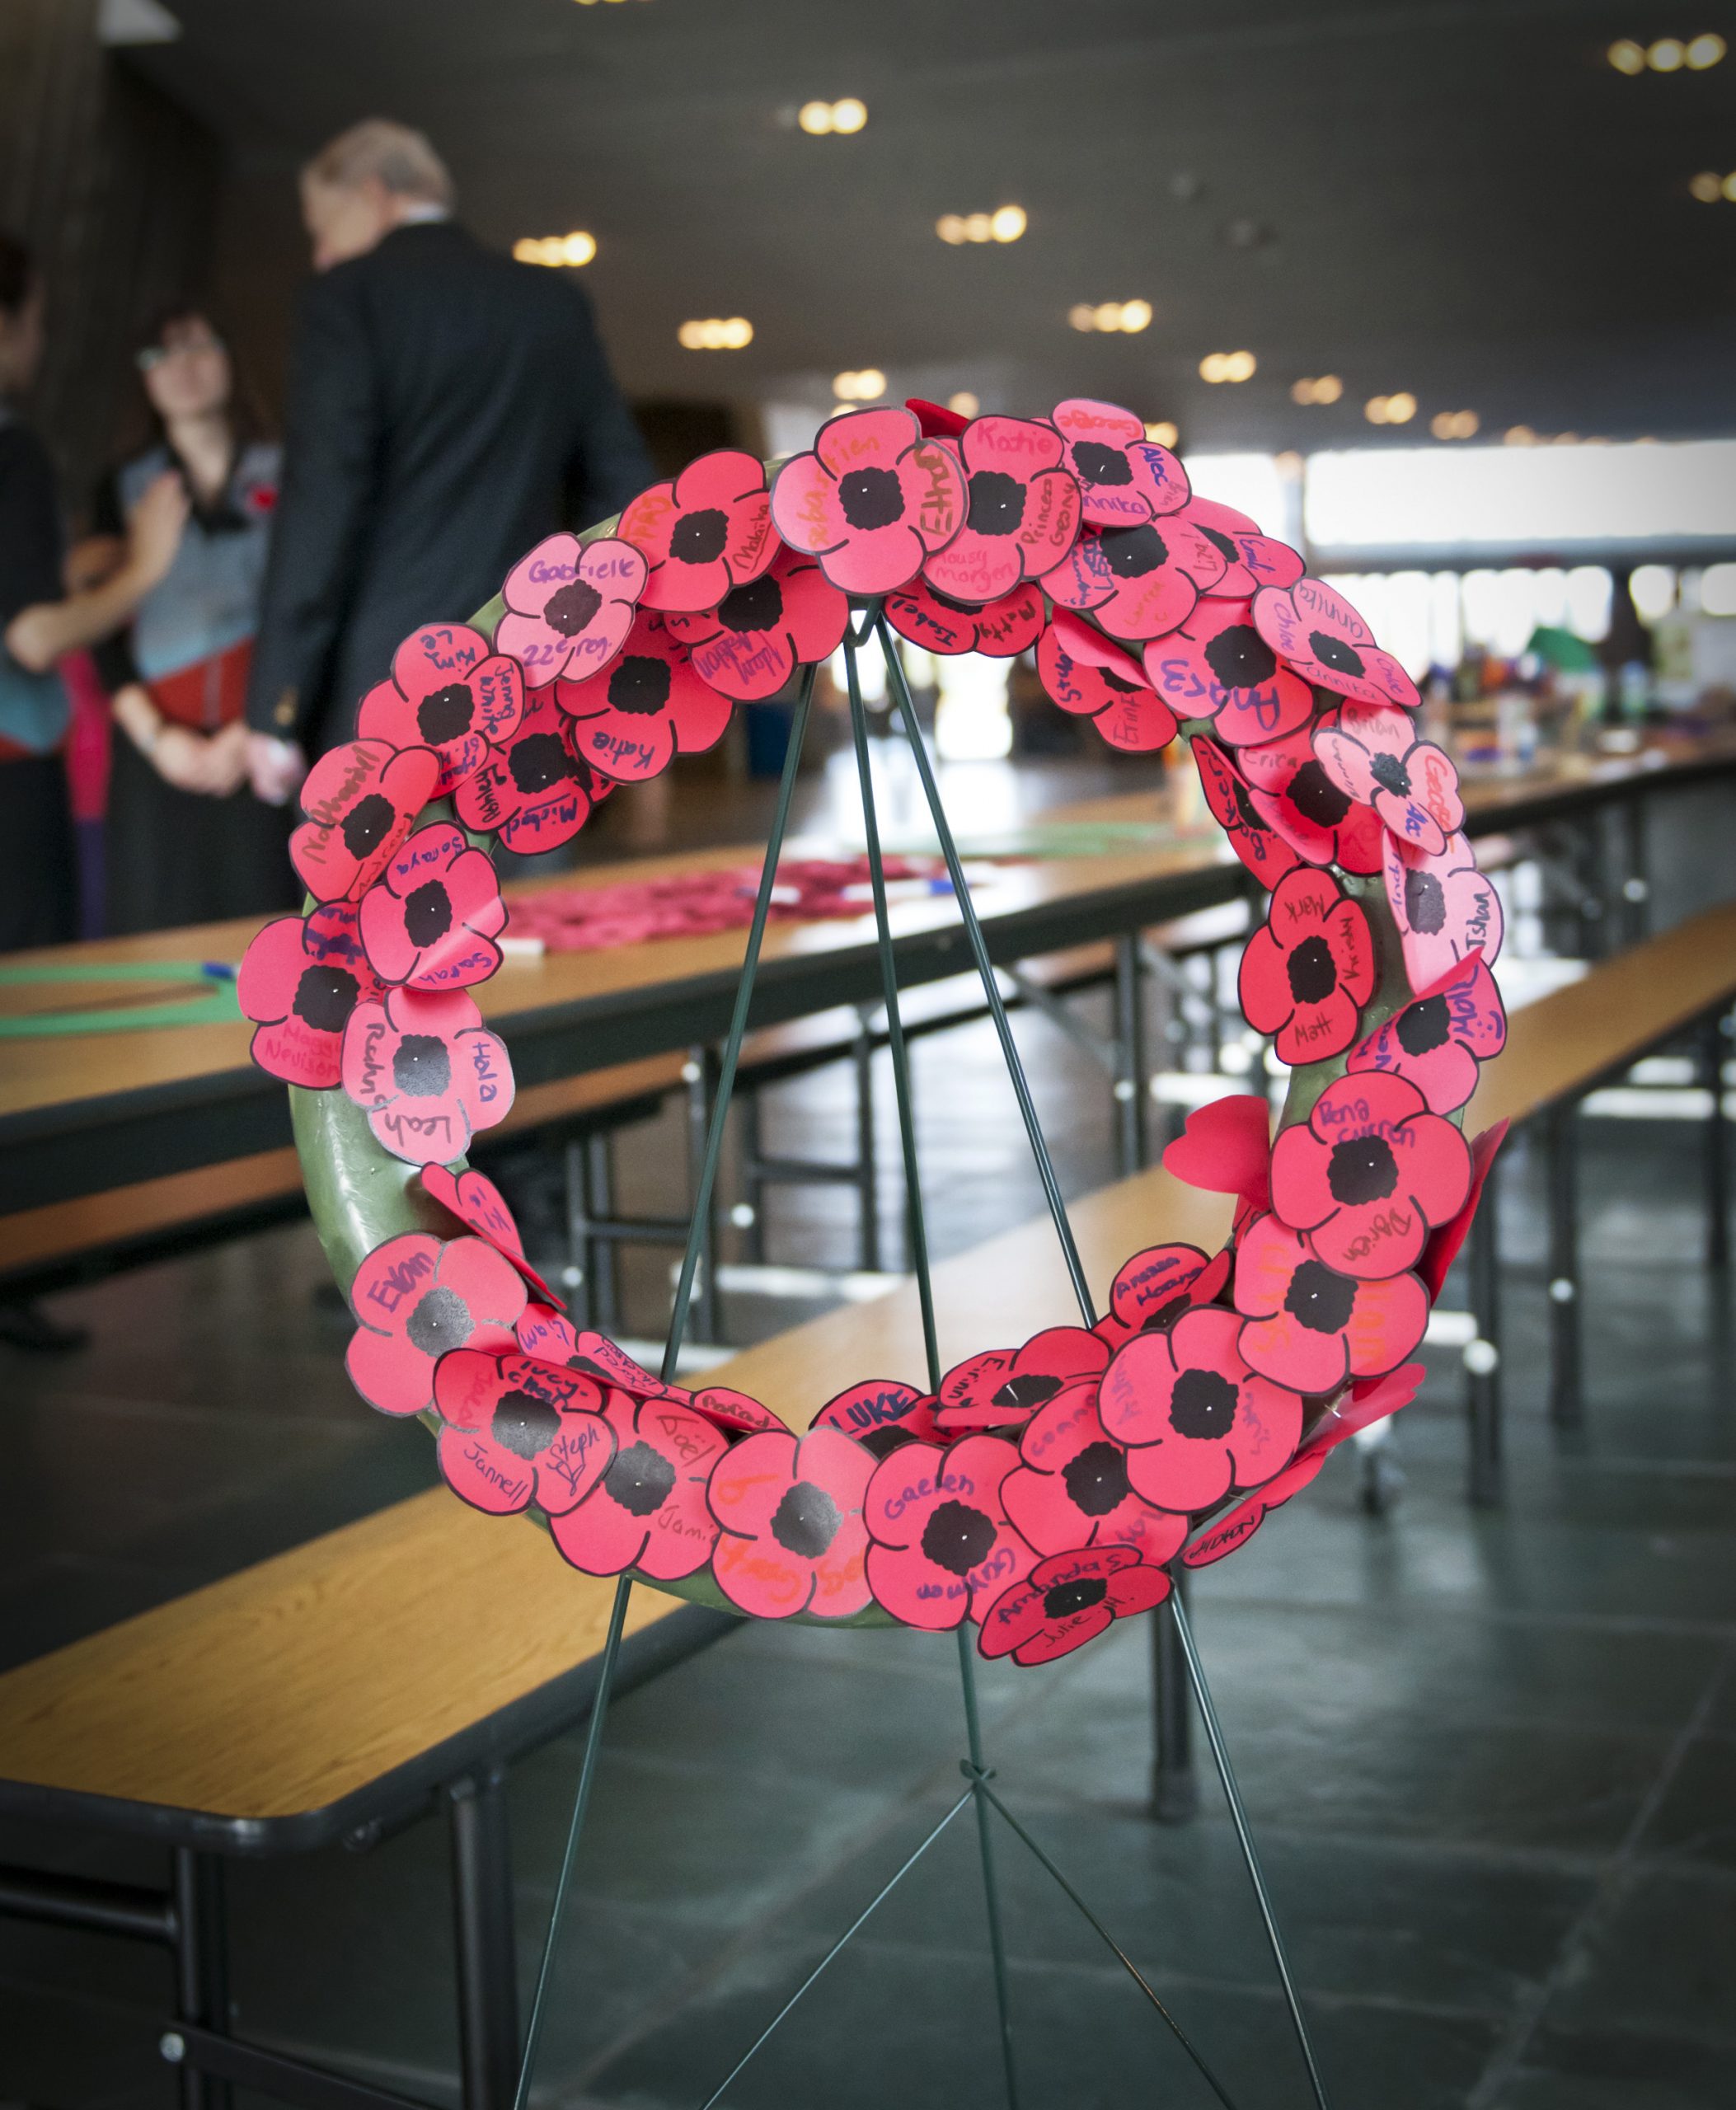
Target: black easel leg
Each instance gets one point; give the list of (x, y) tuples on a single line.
[(1566, 1401), (1483, 1355), (487, 1961), (867, 1166), (699, 1074), (201, 1967), (1714, 1044), (579, 1290), (1130, 1152), (602, 1261), (1175, 1786)]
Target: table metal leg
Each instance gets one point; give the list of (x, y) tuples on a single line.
[(752, 1134), (867, 1165), (577, 1281), (1130, 1078), (1483, 1354), (1174, 1786), (699, 1073), (201, 1968), (602, 1259), (1714, 1045), (1566, 1400), (487, 1960), (1636, 886)]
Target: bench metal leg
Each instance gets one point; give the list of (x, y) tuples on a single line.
[(1483, 1354), (1131, 1143), (487, 1959), (1174, 1787), (201, 1968), (1566, 1400), (1714, 1044)]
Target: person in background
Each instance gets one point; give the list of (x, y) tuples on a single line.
[(449, 408), (40, 622)]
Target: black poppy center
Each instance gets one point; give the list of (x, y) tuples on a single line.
[(1423, 1025), (1165, 1316), (1112, 680), (1098, 464), (1030, 1390), (1131, 552), (1390, 774), (1244, 809), (445, 714), (1362, 1168), (699, 537), (571, 608), (871, 497), (1320, 1300), (540, 759), (1316, 798), (422, 1066), (1096, 1480), (1312, 970), (1067, 1598), (324, 996), (428, 913), (640, 1478), (364, 826), (441, 1320), (1202, 1404), (1425, 903), (956, 1537), (523, 1424), (997, 503), (1221, 543), (1240, 658), (1333, 652), (756, 606), (640, 685), (806, 1521)]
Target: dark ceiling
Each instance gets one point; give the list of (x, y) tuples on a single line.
[(1458, 198)]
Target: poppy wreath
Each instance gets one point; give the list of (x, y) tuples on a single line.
[(1044, 1488)]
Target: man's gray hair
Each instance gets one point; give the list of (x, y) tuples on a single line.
[(400, 157)]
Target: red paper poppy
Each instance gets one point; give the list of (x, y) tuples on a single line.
[(535, 792), (1291, 793), (415, 1299), (1437, 1040), (649, 1509), (299, 981), (1072, 1489), (449, 692), (1369, 1174), (1374, 756), (1260, 847), (882, 1414), (1126, 479), (1197, 1420), (872, 500), (360, 800), (734, 1411), (1444, 1244), (651, 705), (479, 1205), (1138, 582), (570, 605), (551, 1337), (1225, 1147), (1310, 1327), (1445, 908), (430, 921), (1155, 1286), (935, 420), (1309, 969), (1002, 630), (1021, 511), (1218, 666), (1254, 560), (750, 645), (943, 1548), (1069, 1600), (704, 534), (792, 1539), (1003, 1387), (1089, 678), (1319, 634), (518, 1431), (427, 1071)]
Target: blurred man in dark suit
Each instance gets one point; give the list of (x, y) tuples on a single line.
[(447, 409)]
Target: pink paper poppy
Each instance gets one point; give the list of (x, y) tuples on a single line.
[(872, 500), (1003, 1387), (427, 1072), (1310, 1327), (360, 800), (1002, 630), (704, 534), (1445, 908), (648, 1510), (534, 792), (750, 645), (570, 605), (417, 1298), (1309, 968), (1069, 1600), (1374, 756), (550, 1336), (1021, 511), (1218, 666), (1444, 1244), (734, 1411), (449, 692), (1089, 678), (1291, 793), (480, 1206), (651, 705), (1439, 1038), (1072, 1489), (1254, 560), (1369, 1174), (1138, 582), (1320, 634), (943, 1548), (882, 1414), (1126, 479), (298, 981), (430, 920), (1259, 845), (1155, 1286), (1225, 1147), (1197, 1420), (518, 1431), (792, 1539)]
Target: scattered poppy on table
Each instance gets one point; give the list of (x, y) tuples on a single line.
[(1444, 1244), (1253, 838), (361, 800), (882, 1414), (1309, 969), (1320, 634), (1089, 678), (1069, 1600), (872, 500), (942, 1547), (299, 981), (518, 1431), (533, 791), (1021, 511), (1138, 582), (631, 721), (449, 692), (1124, 478), (1072, 1488), (1291, 792), (732, 1410), (1438, 1041), (1253, 560), (791, 1535), (1000, 630), (1155, 1286), (1217, 665), (753, 640), (1369, 1174), (648, 1510), (1225, 1147), (480, 1206), (430, 920), (703, 534), (1310, 1328), (1445, 907), (1374, 756), (427, 1072), (570, 605), (1003, 1387), (419, 1298), (1197, 1420)]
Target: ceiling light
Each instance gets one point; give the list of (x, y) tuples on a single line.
[(965, 403), (1566, 439), (716, 334), (1289, 466), (1518, 436), (1729, 187), (1718, 590), (1454, 425), (1704, 51), (1626, 56), (1008, 222), (1397, 410), (1114, 316), (1217, 367), (1666, 55), (820, 118), (1005, 224), (867, 387), (1708, 186), (1316, 388), (559, 252), (1163, 433)]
